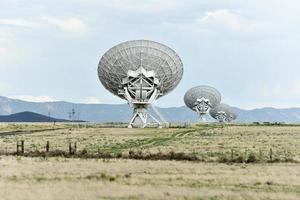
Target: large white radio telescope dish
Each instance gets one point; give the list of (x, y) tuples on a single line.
[(223, 113), (202, 98), (140, 71)]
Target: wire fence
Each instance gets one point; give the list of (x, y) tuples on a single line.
[(72, 150)]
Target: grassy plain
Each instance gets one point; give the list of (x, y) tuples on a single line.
[(60, 178), (209, 178), (207, 142)]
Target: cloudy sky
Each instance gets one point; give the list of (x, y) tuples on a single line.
[(249, 50)]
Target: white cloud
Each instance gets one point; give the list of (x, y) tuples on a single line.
[(19, 22), (10, 52), (31, 98), (70, 25), (228, 20), (5, 39), (279, 91), (140, 6), (222, 23), (93, 100)]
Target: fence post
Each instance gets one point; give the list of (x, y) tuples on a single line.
[(231, 154), (47, 146), (70, 148), (75, 148), (18, 147), (271, 154), (22, 146)]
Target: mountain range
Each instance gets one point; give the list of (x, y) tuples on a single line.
[(122, 112)]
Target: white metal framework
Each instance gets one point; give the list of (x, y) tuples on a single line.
[(140, 71), (202, 105), (140, 88), (221, 116)]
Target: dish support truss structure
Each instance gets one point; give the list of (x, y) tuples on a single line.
[(140, 88), (202, 107), (224, 117)]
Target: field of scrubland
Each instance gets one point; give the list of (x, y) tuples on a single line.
[(204, 142), (202, 162)]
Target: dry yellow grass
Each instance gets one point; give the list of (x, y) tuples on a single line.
[(59, 178), (207, 142)]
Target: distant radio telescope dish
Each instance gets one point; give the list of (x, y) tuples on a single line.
[(140, 71), (201, 99), (223, 113)]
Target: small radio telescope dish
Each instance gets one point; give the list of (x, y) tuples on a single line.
[(140, 71), (223, 113), (201, 99)]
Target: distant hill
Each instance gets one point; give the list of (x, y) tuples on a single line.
[(122, 112), (29, 117), (61, 110)]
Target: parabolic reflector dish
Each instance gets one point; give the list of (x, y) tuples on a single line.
[(202, 98), (132, 55), (223, 113), (140, 71)]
